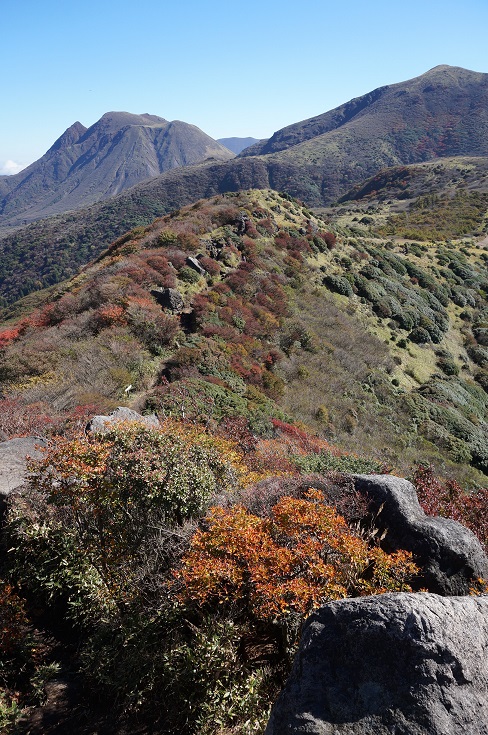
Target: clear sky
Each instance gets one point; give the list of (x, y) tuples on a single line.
[(233, 69)]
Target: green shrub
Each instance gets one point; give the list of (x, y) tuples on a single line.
[(481, 378), (105, 500), (46, 563), (419, 335), (479, 355), (325, 461), (189, 275), (338, 284), (448, 366)]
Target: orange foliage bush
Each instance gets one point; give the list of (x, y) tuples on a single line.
[(108, 315), (293, 561), (9, 335)]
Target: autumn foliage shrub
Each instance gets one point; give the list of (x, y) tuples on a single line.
[(448, 499), (114, 487), (9, 335), (337, 489), (330, 239), (211, 266), (20, 419), (291, 562)]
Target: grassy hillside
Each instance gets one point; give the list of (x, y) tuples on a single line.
[(377, 344)]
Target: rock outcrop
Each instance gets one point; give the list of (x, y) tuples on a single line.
[(13, 463), (196, 265), (169, 298), (409, 664), (103, 423), (449, 554)]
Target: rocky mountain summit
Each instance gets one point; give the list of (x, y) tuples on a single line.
[(87, 165)]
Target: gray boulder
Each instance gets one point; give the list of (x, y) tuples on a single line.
[(13, 463), (450, 555), (196, 265), (408, 664), (104, 423), (169, 298)]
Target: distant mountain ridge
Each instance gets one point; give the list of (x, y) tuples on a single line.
[(236, 145), (443, 112), (438, 109), (438, 115), (86, 165)]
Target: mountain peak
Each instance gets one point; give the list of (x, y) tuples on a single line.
[(115, 120), (86, 165), (452, 72), (69, 137), (442, 67)]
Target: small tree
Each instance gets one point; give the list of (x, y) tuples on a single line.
[(118, 488)]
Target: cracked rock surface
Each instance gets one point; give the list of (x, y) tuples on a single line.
[(400, 663)]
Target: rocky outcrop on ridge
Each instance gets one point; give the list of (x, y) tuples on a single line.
[(169, 298), (409, 664), (450, 555)]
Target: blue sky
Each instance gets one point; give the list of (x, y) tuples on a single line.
[(233, 69)]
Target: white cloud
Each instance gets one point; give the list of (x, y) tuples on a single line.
[(10, 167)]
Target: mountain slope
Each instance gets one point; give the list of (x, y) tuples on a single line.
[(45, 252), (441, 113), (271, 318), (87, 165), (277, 303)]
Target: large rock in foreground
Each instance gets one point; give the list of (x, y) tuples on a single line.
[(13, 462), (408, 664), (450, 555)]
